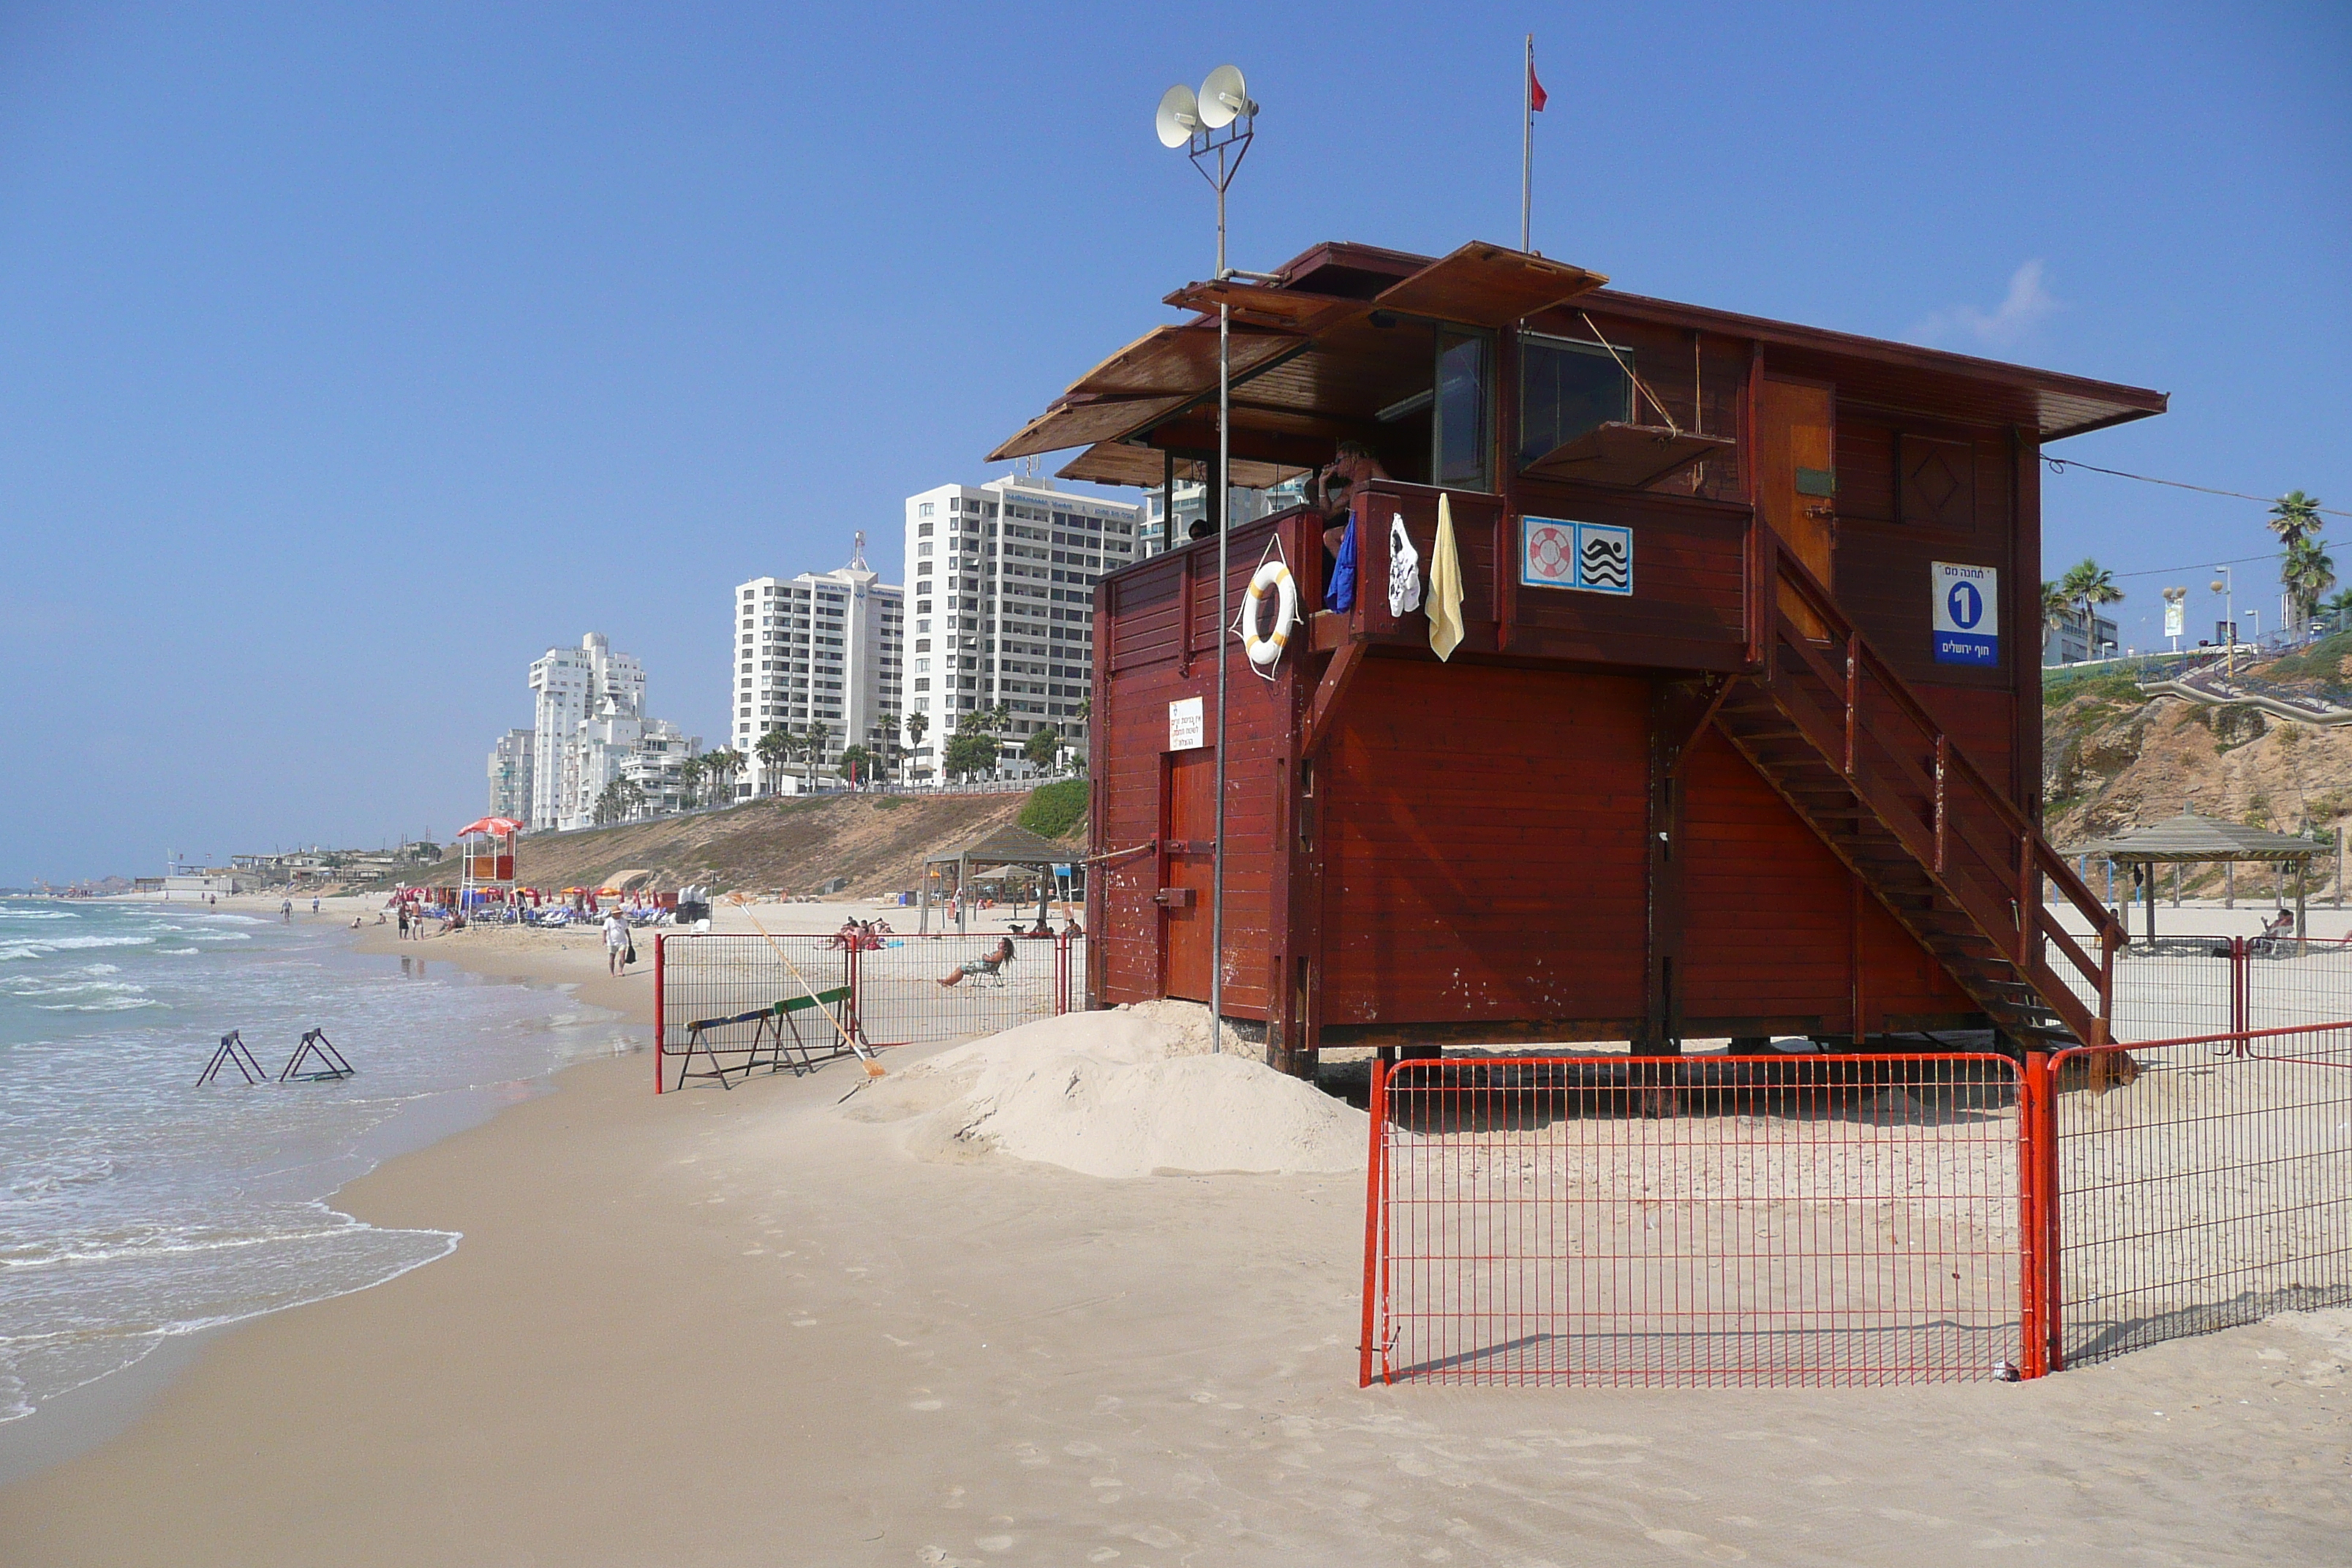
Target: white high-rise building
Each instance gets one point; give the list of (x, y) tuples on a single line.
[(1000, 579), (823, 647), (572, 685), (510, 769), (1243, 505), (591, 731)]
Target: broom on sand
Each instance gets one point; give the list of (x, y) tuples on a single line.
[(857, 1046)]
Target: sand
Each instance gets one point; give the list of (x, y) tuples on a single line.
[(722, 1328), (1124, 1093)]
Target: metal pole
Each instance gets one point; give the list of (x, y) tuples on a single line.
[(1526, 138), (1224, 536)]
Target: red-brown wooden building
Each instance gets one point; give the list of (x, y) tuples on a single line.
[(1704, 766)]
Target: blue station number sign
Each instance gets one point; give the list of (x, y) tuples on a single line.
[(1967, 613)]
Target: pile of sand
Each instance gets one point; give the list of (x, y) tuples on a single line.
[(1129, 1093)]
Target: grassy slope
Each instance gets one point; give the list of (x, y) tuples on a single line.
[(877, 841)]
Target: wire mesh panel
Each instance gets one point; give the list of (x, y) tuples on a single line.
[(2199, 1186), (2290, 983), (1700, 1221), (714, 988), (900, 999), (887, 989), (2170, 989)]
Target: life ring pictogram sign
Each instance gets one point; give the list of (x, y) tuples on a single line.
[(1273, 579)]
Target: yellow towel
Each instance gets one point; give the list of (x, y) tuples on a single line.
[(1444, 587)]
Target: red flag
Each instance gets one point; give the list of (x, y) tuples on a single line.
[(1537, 96)]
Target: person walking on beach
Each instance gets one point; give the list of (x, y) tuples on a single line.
[(617, 941), (403, 921), (314, 904), (286, 910)]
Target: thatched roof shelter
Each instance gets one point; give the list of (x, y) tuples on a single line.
[(2189, 839), (1003, 846)]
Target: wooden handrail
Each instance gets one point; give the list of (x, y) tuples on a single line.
[(2035, 858)]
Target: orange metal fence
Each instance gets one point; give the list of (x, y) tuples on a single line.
[(1692, 1222), (2212, 1189), (1715, 1221)]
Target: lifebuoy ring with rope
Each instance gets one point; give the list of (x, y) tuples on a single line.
[(1274, 578)]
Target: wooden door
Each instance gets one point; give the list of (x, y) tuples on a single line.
[(1190, 831), (1797, 480)]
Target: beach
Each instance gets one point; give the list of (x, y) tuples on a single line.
[(747, 1327)]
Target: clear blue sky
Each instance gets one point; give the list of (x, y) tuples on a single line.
[(351, 354)]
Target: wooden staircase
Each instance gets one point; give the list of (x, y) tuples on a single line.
[(1859, 758)]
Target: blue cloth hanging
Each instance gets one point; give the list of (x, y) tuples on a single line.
[(1340, 592)]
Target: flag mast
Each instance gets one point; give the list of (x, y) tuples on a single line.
[(1526, 138)]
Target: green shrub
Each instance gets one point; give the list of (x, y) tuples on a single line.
[(1053, 809), (888, 803), (2106, 686), (2322, 661)]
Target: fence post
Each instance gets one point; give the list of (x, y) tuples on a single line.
[(856, 977), (1375, 1214), (2037, 1315), (2241, 986), (659, 938)]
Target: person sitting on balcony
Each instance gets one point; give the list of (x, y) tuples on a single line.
[(1334, 495)]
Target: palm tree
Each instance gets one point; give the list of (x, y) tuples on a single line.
[(2055, 606), (619, 802), (2338, 606), (2307, 572), (888, 741), (723, 764), (2295, 517), (917, 723), (773, 750), (689, 780), (2089, 585), (812, 749)]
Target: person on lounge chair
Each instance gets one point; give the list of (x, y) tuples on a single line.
[(2276, 934), (998, 957)]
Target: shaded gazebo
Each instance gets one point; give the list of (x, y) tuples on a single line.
[(2189, 839), (1010, 845)]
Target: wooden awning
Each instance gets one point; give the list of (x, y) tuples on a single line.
[(1125, 463), (1081, 422), (1633, 456), (2191, 839), (1489, 286)]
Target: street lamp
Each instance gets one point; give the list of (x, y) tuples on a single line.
[(2227, 583), (1216, 124)]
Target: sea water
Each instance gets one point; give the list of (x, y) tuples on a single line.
[(134, 1206)]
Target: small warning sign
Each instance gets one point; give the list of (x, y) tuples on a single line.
[(1185, 731), (1966, 614)]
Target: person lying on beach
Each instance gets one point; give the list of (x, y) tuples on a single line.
[(997, 959)]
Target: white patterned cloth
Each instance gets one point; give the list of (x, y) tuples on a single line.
[(1404, 568)]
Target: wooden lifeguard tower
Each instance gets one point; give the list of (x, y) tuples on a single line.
[(1743, 736)]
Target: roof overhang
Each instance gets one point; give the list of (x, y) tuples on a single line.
[(1308, 355)]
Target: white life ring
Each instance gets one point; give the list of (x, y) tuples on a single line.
[(1265, 650)]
